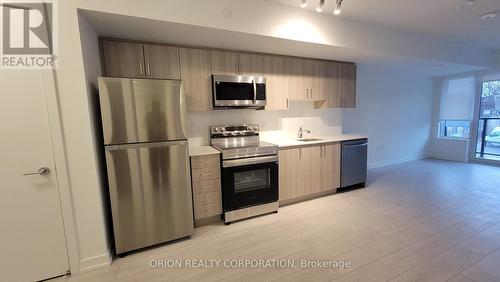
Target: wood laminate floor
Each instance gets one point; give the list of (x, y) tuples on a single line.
[(425, 220)]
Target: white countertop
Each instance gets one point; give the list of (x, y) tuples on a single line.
[(195, 150), (284, 141)]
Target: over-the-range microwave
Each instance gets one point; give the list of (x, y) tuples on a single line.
[(237, 91)]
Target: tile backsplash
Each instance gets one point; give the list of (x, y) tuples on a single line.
[(300, 113)]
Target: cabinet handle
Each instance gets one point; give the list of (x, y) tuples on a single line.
[(148, 69), (300, 153), (312, 94), (321, 151), (141, 68)]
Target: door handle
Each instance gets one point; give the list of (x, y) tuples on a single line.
[(41, 171), (254, 92)]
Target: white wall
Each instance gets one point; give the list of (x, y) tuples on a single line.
[(395, 111), (94, 242)]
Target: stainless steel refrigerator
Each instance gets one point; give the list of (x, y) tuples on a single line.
[(146, 148)]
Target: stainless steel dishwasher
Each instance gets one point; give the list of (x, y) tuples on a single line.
[(354, 162)]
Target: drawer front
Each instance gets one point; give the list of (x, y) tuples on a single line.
[(204, 186), (205, 161), (207, 204), (208, 173)]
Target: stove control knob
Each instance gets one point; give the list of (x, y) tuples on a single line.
[(256, 127)]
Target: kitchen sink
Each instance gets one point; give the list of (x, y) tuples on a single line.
[(309, 139)]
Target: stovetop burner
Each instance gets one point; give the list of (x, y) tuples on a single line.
[(240, 141)]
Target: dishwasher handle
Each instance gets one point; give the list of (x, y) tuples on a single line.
[(354, 146)]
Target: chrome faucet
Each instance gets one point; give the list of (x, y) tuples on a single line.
[(301, 131)]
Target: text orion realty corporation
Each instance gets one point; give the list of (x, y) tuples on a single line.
[(28, 34)]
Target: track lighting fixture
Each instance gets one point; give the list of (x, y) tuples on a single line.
[(338, 5), (303, 4), (321, 4)]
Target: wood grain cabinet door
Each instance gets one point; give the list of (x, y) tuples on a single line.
[(196, 73), (278, 84), (311, 170), (299, 80), (123, 59), (289, 174), (162, 62), (348, 85), (331, 167), (334, 88), (224, 62)]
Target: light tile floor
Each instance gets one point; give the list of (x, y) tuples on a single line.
[(418, 221)]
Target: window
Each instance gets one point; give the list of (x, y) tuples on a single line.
[(454, 129), (488, 132), (457, 107)]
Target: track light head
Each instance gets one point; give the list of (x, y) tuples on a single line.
[(321, 4)]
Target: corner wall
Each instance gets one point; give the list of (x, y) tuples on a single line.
[(395, 111)]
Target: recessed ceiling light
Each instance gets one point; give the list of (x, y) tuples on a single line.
[(465, 4), (303, 4), (321, 4), (489, 16)]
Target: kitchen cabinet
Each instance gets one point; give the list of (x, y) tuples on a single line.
[(224, 62), (135, 60), (278, 84), (348, 85), (162, 62), (331, 166), (311, 170), (298, 79), (308, 170), (123, 59), (206, 185), (316, 76), (289, 174), (197, 76), (332, 87), (254, 64)]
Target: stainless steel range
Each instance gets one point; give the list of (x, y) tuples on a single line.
[(249, 171)]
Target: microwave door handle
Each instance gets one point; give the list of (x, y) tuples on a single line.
[(254, 92)]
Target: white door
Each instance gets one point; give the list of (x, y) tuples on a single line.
[(32, 240)]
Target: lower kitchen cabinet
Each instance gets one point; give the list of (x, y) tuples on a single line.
[(308, 170), (311, 170), (331, 167), (206, 185), (289, 174)]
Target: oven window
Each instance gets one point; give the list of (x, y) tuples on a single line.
[(252, 180)]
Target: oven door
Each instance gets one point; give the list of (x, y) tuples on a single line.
[(250, 183), (239, 91)]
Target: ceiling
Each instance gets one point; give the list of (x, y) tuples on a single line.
[(433, 18), (120, 26)]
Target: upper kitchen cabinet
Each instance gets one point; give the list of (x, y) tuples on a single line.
[(278, 83), (134, 60), (196, 73), (299, 87), (162, 62), (316, 76), (224, 62), (348, 85), (123, 59), (254, 64)]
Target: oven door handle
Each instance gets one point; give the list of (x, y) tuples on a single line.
[(249, 161)]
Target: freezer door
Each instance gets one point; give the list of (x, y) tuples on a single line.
[(150, 193), (141, 110)]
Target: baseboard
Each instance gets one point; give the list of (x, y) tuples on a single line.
[(393, 162), (96, 262)]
